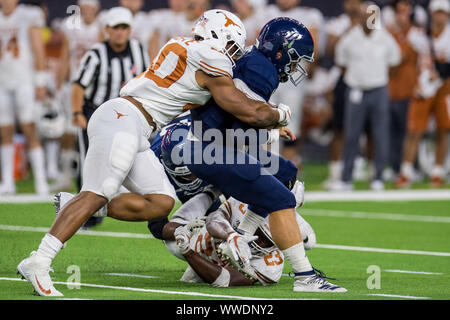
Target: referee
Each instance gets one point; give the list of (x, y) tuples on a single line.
[(104, 70)]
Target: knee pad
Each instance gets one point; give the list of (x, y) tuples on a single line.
[(123, 151), (121, 158)]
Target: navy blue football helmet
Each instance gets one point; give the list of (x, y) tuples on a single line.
[(295, 43), (172, 144)]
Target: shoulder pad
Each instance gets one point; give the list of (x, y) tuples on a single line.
[(258, 73), (209, 60)]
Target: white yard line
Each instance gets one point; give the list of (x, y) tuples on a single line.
[(310, 196), (413, 272), (147, 236), (397, 296), (80, 232), (381, 250), (131, 275), (388, 195), (184, 293), (373, 215)]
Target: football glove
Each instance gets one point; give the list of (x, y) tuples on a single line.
[(285, 114), (183, 239), (237, 251)]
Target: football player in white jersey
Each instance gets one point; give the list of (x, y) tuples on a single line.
[(288, 93), (78, 38), (185, 74), (205, 248), (22, 80)]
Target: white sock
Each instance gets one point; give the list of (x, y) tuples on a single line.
[(437, 172), (7, 164), (52, 152), (37, 162), (407, 170), (194, 208), (49, 247), (250, 223), (296, 256), (335, 168)]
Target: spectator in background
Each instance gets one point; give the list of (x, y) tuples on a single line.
[(335, 29), (252, 14), (22, 82), (182, 25), (79, 36), (160, 19), (366, 53), (433, 97), (288, 93), (419, 15), (104, 70), (177, 23), (403, 79)]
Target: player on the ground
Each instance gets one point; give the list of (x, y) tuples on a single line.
[(79, 36), (185, 74), (22, 82), (282, 44), (202, 247)]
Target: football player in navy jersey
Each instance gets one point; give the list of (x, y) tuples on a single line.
[(282, 44)]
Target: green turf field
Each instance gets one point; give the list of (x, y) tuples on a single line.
[(377, 250)]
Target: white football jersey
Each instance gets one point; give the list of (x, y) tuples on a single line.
[(81, 38), (441, 45), (268, 268), (16, 56), (169, 87)]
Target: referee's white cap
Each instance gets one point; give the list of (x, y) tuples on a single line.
[(118, 15), (439, 5)]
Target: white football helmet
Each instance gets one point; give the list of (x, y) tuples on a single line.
[(308, 235), (51, 124), (221, 27)]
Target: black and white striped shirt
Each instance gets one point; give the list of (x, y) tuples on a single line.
[(103, 72)]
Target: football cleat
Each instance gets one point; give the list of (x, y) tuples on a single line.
[(7, 190), (402, 182), (237, 251), (314, 281), (36, 271), (437, 182)]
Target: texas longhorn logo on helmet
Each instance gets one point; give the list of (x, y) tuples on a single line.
[(229, 22)]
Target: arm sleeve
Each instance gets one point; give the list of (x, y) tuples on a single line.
[(88, 70), (341, 52), (35, 17)]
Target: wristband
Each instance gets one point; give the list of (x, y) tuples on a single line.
[(77, 113), (40, 79)]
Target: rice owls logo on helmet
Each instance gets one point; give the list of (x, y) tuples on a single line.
[(224, 31)]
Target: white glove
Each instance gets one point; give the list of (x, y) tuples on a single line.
[(237, 251), (238, 248), (183, 239), (285, 114), (299, 192)]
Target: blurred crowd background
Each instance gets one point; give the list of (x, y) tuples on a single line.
[(375, 106)]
